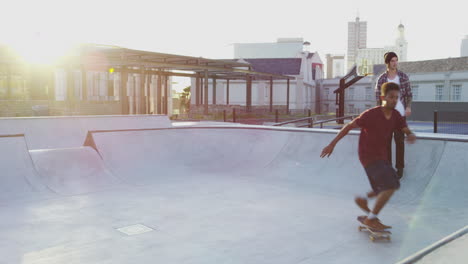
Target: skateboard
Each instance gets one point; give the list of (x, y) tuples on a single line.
[(374, 235)]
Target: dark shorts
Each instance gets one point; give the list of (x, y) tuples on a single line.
[(382, 176)]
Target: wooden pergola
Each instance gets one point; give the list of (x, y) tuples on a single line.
[(163, 65)]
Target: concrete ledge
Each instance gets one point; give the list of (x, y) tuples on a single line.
[(424, 252)]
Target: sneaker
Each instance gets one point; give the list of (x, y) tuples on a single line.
[(362, 203), (375, 224), (399, 173)]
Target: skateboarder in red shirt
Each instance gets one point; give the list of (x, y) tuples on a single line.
[(377, 125)]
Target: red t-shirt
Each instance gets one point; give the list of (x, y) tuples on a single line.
[(376, 131)]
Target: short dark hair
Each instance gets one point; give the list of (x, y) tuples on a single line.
[(389, 86), (388, 56)]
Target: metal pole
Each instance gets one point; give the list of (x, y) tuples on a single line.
[(436, 117), (311, 124), (287, 98), (276, 116), (233, 115)]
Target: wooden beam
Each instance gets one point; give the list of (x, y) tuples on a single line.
[(187, 67)]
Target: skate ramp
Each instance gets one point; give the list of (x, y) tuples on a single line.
[(235, 194), (159, 154), (288, 160), (18, 178), (70, 132), (72, 171)]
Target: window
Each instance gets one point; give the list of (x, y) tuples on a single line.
[(369, 93), (439, 92), (326, 108), (350, 94), (456, 92), (351, 109), (326, 91), (415, 91)]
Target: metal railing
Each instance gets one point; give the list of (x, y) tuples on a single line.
[(311, 123)]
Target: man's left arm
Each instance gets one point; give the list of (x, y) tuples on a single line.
[(410, 136), (408, 96)]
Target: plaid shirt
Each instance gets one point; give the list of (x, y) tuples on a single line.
[(405, 87)]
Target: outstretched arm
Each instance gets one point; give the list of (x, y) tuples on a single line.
[(327, 151)]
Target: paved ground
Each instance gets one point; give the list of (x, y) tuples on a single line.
[(235, 194)]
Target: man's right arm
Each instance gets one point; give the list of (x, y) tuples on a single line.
[(328, 150)]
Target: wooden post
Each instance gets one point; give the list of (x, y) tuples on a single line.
[(159, 94), (197, 90), (227, 91), (124, 91), (84, 84), (205, 109), (143, 108), (70, 89), (166, 95), (8, 81), (134, 98), (148, 92), (214, 91), (271, 94), (248, 98)]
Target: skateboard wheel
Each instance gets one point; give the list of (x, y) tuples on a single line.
[(372, 238)]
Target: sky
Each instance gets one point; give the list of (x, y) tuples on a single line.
[(208, 28)]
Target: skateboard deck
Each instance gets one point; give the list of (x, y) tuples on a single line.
[(373, 234)]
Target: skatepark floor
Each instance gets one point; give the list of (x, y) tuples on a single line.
[(219, 194)]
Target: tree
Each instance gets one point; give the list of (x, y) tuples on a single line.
[(185, 100)]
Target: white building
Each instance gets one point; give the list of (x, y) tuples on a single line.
[(335, 65), (370, 56), (283, 48), (439, 83), (464, 47), (357, 39)]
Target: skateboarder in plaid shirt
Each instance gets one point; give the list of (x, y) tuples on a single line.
[(403, 105), (377, 125)]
